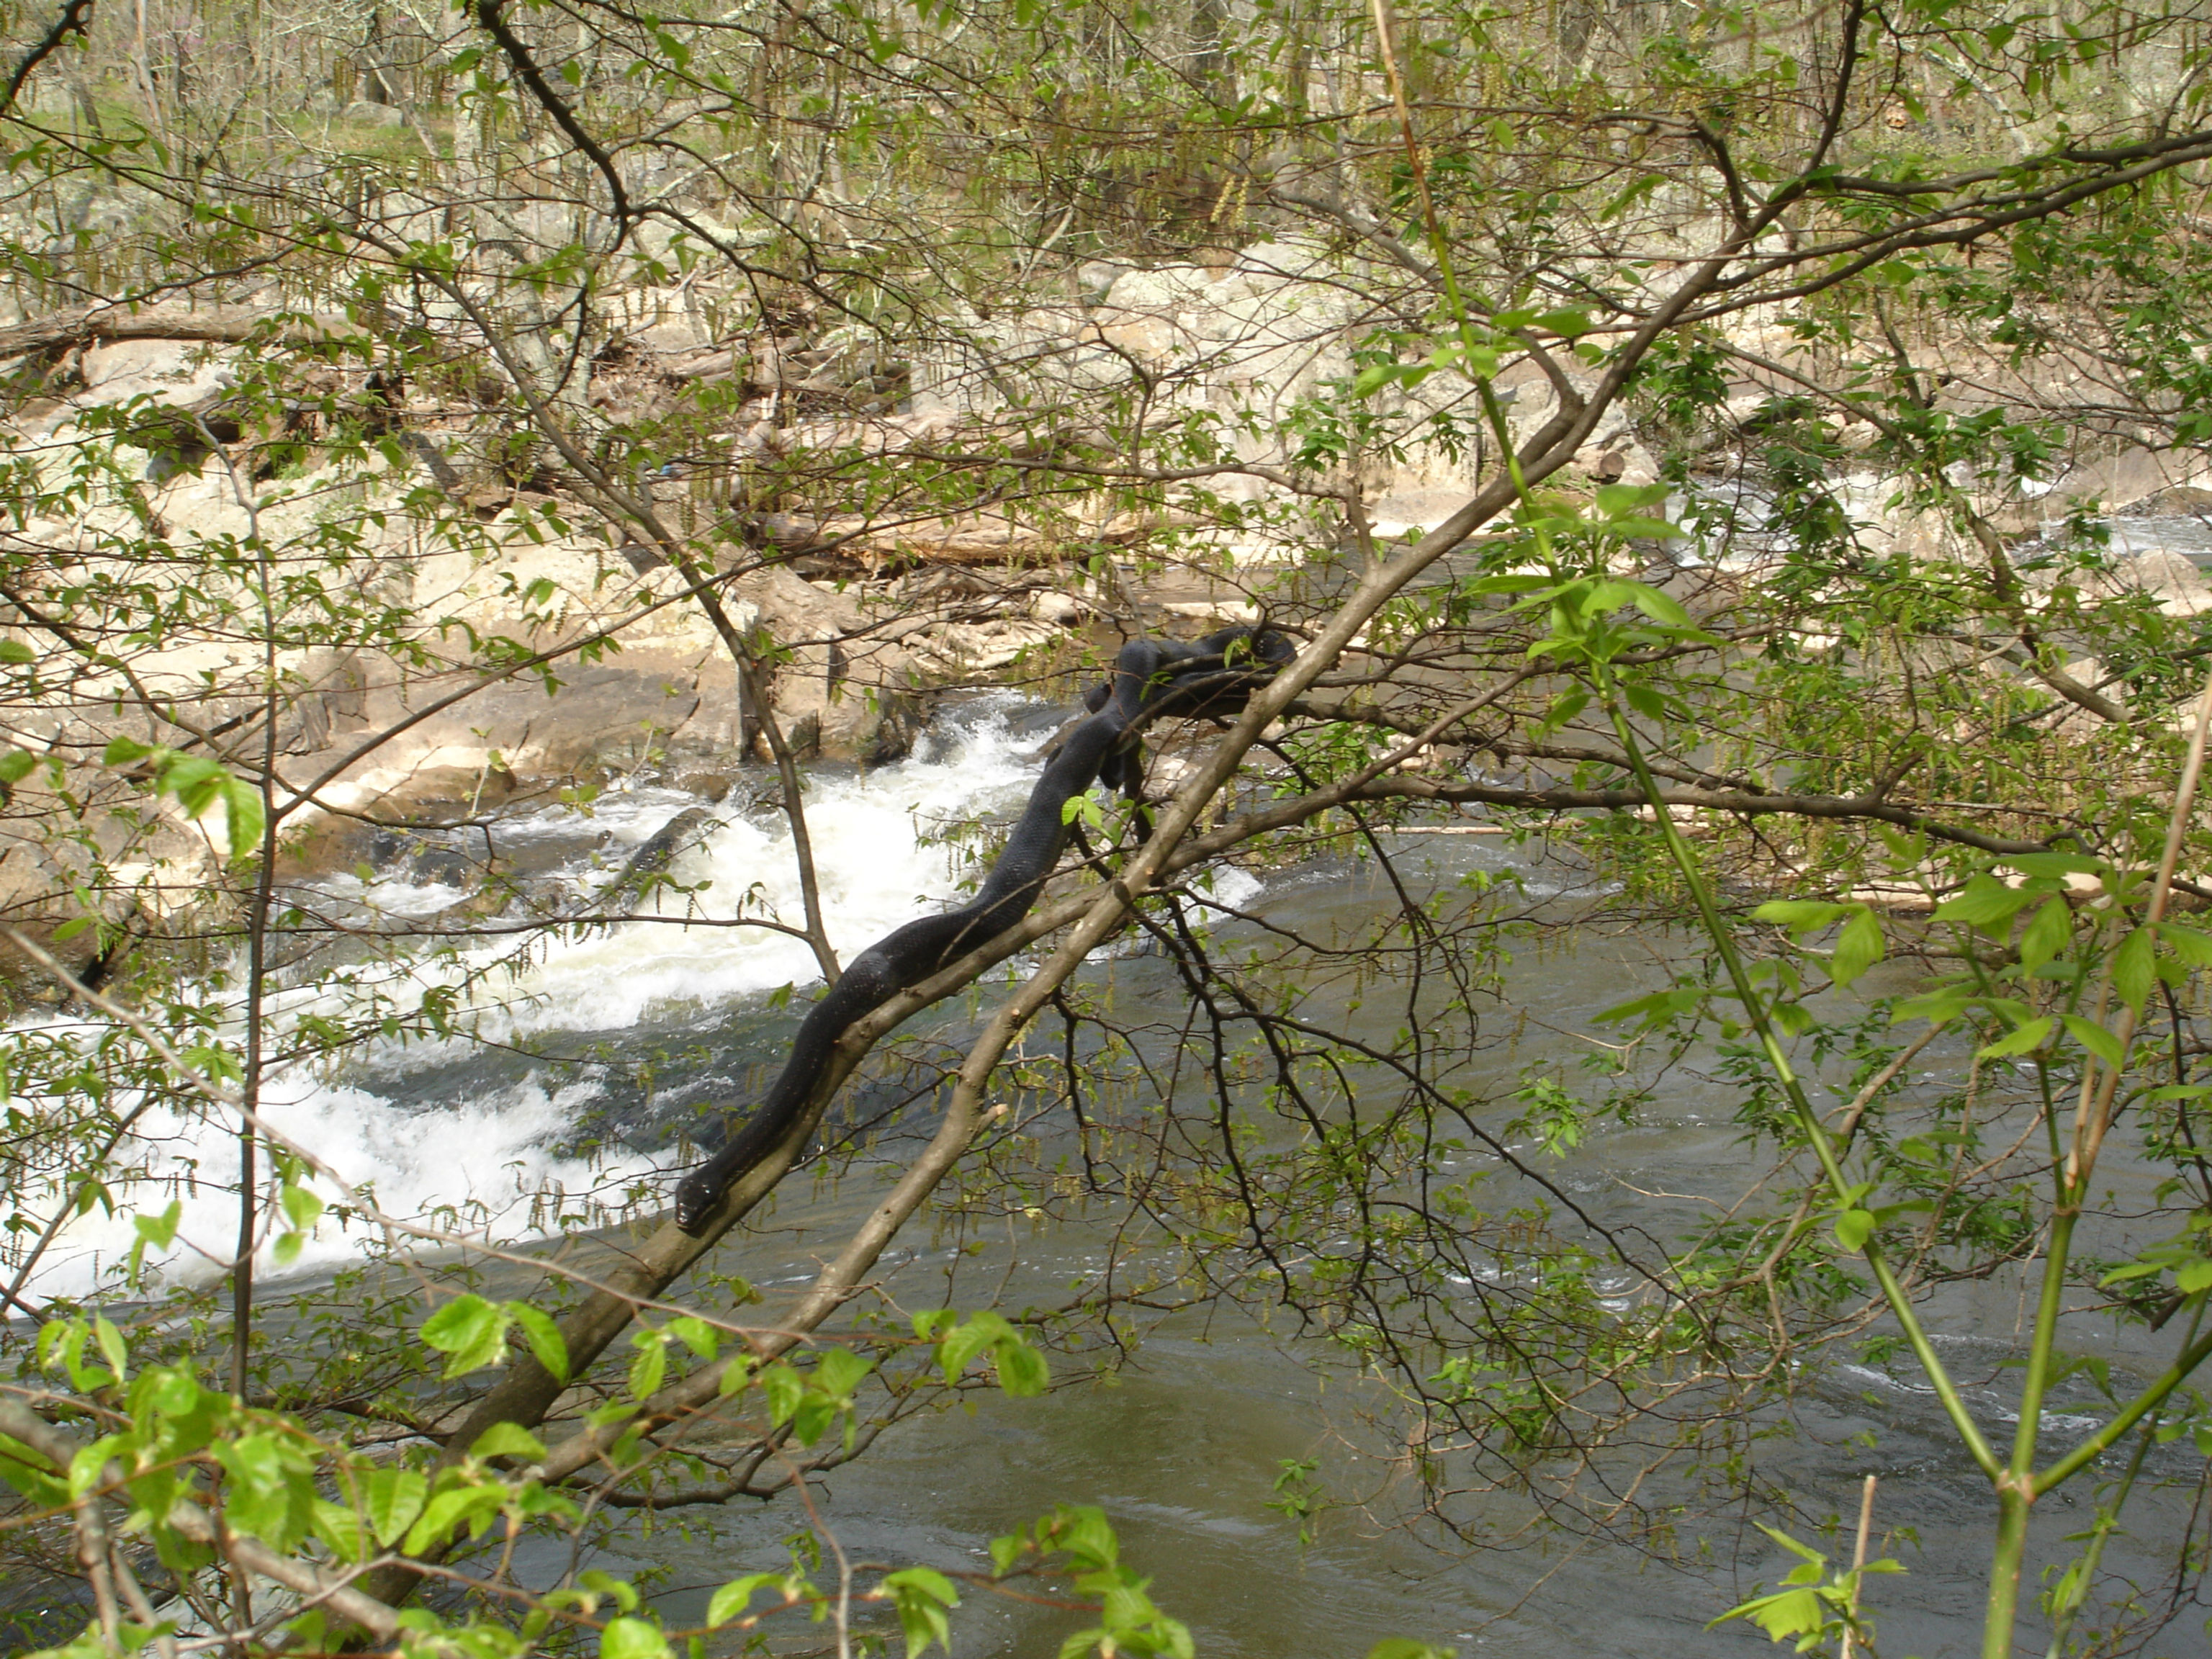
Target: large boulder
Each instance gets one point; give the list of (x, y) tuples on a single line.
[(841, 690), (177, 373), (2170, 579), (2157, 479)]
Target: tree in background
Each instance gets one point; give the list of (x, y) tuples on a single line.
[(1779, 360)]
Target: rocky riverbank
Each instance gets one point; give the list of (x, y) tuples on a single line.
[(507, 638)]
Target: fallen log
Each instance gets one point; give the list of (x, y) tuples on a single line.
[(230, 324), (975, 539)]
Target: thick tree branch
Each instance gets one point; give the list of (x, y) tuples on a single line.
[(76, 18)]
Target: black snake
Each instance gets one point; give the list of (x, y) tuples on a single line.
[(1152, 679)]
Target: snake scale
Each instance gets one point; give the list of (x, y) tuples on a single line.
[(1152, 679)]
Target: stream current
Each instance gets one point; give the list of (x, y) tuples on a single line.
[(603, 1042)]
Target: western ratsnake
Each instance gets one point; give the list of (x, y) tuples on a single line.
[(1152, 679)]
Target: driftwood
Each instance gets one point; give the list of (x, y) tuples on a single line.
[(968, 538), (230, 324)]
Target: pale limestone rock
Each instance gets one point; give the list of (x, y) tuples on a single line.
[(2130, 478), (1061, 609), (180, 372), (2172, 579)]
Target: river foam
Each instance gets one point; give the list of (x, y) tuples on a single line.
[(487, 1157)]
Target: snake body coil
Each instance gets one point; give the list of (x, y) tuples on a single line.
[(1152, 679)]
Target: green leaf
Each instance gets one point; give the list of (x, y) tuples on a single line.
[(172, 1392), (27, 1473), (1023, 1372), (111, 1343), (1647, 529), (2018, 1041), (1987, 904), (341, 1529), (16, 765), (1564, 706), (1615, 500), (1654, 1010), (982, 1331), (2133, 970), (2187, 944), (124, 752), (785, 1388), (649, 1365), (1660, 607), (243, 817), (733, 1598), (1858, 947), (695, 1333), (14, 652), (924, 1598), (1936, 1008), (1478, 361), (1786, 1613), (840, 1371), (601, 1583), (392, 1498), (1801, 915), (465, 1505), (508, 1440), (155, 1231), (1518, 581), (301, 1206), (1372, 379), (471, 1330), (1084, 1531), (194, 779), (1404, 1647), (2048, 935), (2095, 1038), (2132, 1270), (632, 1639), (545, 1338), (1854, 1228)]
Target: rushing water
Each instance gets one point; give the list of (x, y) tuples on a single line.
[(436, 1124), (1183, 1447)]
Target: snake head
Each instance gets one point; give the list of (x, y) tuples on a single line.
[(1244, 648), (696, 1196), (1255, 649)]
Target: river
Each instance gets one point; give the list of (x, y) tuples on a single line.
[(603, 1041)]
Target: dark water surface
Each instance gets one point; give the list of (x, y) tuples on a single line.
[(1183, 1448)]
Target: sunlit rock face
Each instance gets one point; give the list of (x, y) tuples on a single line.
[(865, 610)]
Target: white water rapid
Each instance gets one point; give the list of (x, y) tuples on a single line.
[(433, 1130)]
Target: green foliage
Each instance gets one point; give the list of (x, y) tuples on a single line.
[(1847, 685), (1023, 1370), (198, 785), (1815, 1607), (1078, 1539)]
